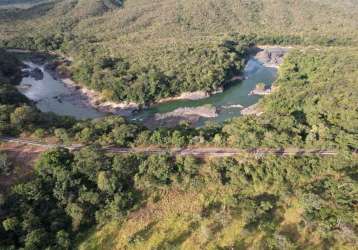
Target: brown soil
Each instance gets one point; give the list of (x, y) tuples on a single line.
[(23, 158)]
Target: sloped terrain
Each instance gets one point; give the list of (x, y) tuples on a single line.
[(177, 45)]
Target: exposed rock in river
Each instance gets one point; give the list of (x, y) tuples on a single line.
[(232, 106), (206, 111), (51, 69), (271, 56), (261, 92), (25, 73), (39, 58), (37, 74), (238, 78), (197, 95)]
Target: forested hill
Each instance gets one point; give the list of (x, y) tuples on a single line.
[(142, 52), (307, 19)]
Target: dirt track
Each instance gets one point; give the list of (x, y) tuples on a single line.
[(202, 152)]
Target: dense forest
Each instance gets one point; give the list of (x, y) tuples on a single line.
[(142, 52)]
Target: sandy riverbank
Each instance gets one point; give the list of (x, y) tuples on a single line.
[(189, 115), (94, 99), (197, 95), (206, 111)]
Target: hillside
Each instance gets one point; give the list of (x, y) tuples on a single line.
[(178, 45), (164, 19)]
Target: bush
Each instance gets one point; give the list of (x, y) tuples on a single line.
[(5, 164)]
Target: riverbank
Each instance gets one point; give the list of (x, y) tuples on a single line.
[(203, 111), (78, 95), (197, 95), (94, 99), (227, 103)]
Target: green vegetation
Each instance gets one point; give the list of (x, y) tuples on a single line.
[(315, 104), (70, 192), (135, 51), (5, 164), (299, 113), (19, 115), (181, 70), (10, 69), (271, 202)]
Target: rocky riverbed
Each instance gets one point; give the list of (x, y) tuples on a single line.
[(271, 56)]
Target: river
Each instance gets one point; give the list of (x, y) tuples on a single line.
[(50, 96)]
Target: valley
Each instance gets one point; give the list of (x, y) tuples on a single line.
[(178, 124)]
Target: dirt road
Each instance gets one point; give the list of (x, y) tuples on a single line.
[(201, 152)]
